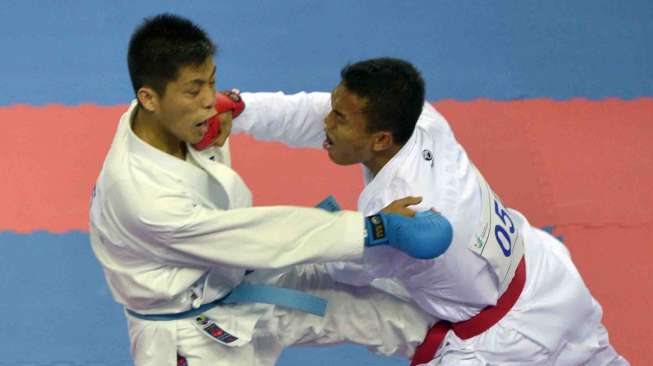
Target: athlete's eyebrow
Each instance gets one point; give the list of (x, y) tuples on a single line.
[(199, 81)]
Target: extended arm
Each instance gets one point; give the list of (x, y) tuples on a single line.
[(295, 120)]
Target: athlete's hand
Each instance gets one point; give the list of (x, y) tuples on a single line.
[(400, 206), (425, 236), (226, 118), (228, 105)]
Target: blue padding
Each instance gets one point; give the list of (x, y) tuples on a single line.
[(329, 204), (251, 293), (557, 49), (425, 236), (444, 229)]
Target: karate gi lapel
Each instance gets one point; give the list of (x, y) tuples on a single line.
[(225, 182), (194, 179), (205, 173)]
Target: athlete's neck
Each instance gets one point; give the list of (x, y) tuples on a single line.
[(148, 129), (381, 159)]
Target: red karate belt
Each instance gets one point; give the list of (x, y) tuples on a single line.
[(478, 324)]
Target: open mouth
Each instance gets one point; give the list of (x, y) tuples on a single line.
[(328, 143), (203, 126)]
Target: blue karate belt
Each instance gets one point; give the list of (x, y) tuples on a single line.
[(250, 293)]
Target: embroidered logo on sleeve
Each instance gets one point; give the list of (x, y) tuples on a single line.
[(211, 329), (428, 155)]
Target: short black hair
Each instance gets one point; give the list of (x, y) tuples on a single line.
[(163, 44), (394, 90)]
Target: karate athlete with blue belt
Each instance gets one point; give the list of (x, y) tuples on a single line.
[(172, 226), (507, 293)]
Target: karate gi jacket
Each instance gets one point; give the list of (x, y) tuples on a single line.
[(172, 235), (432, 164)]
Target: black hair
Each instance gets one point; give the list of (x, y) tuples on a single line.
[(394, 91), (163, 44)]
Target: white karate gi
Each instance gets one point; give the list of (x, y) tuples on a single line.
[(555, 320), (172, 235)]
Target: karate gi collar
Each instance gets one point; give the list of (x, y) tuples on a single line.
[(383, 179), (183, 170)]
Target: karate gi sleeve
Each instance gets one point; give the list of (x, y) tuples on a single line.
[(296, 120), (174, 230)]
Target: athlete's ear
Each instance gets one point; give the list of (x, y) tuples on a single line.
[(148, 98), (383, 140)]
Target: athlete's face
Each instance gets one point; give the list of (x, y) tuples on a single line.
[(347, 139), (188, 102)]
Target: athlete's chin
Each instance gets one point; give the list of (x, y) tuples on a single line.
[(193, 139), (339, 160)]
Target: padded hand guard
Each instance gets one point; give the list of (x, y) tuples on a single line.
[(425, 236), (223, 104)]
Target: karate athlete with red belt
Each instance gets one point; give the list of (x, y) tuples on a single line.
[(507, 293), (172, 227)]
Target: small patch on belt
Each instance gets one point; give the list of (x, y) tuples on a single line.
[(213, 330)]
